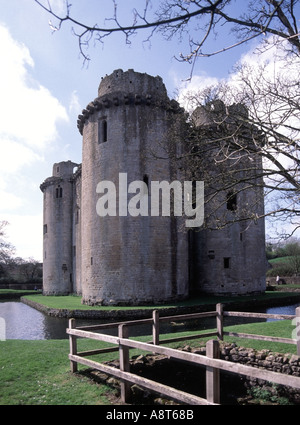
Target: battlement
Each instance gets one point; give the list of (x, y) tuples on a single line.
[(61, 170), (216, 112), (128, 88), (64, 169), (132, 82)]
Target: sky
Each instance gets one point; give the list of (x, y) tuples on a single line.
[(45, 84)]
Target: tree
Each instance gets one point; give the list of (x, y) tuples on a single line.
[(7, 250), (195, 21), (293, 252), (29, 269), (254, 130), (254, 144)]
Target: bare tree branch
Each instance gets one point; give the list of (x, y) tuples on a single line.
[(177, 17)]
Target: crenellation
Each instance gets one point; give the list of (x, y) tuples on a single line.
[(131, 98)]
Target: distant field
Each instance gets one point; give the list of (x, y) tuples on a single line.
[(280, 260)]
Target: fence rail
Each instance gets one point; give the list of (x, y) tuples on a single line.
[(211, 361)]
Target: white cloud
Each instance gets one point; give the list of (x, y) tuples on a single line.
[(29, 117), (74, 106), (9, 201), (14, 155), (195, 85), (58, 6), (24, 232), (29, 113), (28, 130)]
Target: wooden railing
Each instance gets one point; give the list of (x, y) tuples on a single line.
[(295, 341), (211, 361)]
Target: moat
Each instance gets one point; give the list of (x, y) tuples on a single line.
[(24, 322)]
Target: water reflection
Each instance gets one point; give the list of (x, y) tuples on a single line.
[(24, 322)]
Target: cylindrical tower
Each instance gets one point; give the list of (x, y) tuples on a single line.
[(58, 220), (129, 259)]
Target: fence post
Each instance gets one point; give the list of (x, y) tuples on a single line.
[(124, 363), (213, 374), (219, 309), (298, 330), (155, 327), (73, 345)]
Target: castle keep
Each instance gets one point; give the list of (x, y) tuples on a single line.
[(129, 130)]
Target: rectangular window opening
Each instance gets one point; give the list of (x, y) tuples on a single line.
[(226, 263), (231, 201)]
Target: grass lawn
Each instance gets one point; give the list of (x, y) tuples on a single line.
[(280, 260), (38, 372), (73, 302)]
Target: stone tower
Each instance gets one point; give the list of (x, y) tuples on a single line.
[(231, 259), (125, 258), (58, 230)]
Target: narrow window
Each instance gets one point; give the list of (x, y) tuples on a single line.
[(102, 131), (226, 263), (146, 179), (45, 229), (91, 261), (59, 192), (231, 201)]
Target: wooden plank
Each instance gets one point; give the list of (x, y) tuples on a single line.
[(220, 320), (297, 330), (185, 338), (257, 315), (154, 386), (188, 316), (124, 363), (115, 324), (213, 374), (155, 327), (93, 335), (261, 337), (99, 351), (73, 345)]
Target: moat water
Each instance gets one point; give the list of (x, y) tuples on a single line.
[(24, 322)]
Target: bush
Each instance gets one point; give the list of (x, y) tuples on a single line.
[(280, 270)]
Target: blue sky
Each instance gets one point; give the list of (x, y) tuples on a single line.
[(44, 85)]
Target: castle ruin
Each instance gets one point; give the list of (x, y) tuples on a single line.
[(126, 259)]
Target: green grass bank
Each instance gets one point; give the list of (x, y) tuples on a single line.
[(38, 372), (70, 306)]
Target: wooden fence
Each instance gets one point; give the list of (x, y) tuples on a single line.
[(211, 361)]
